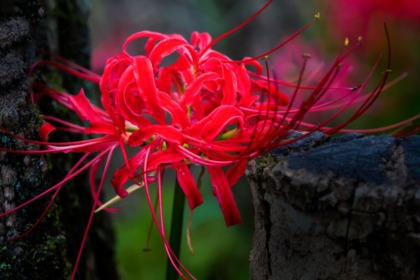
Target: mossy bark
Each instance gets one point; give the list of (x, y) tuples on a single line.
[(49, 251), (337, 208), (42, 253)]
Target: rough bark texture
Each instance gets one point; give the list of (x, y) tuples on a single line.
[(43, 251), (338, 208), (49, 251)]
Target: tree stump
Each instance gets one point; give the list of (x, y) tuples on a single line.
[(337, 208)]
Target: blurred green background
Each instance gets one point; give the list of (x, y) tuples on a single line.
[(220, 252)]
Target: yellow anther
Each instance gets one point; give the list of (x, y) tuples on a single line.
[(346, 42), (306, 55), (189, 111), (317, 16), (229, 134)]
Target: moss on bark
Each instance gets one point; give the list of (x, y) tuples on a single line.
[(42, 253)]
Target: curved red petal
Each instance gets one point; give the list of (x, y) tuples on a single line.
[(165, 48), (196, 86), (230, 87), (145, 81), (235, 172), (189, 187), (165, 132), (213, 124), (223, 192), (45, 130)]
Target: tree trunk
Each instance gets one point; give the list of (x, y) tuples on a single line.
[(337, 208), (43, 252), (49, 251)]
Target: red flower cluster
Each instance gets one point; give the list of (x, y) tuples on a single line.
[(202, 109)]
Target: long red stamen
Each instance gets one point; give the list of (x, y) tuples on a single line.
[(233, 30), (92, 212)]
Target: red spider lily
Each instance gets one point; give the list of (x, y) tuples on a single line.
[(204, 108)]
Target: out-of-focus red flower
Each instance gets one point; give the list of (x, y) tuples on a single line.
[(287, 67), (351, 19)]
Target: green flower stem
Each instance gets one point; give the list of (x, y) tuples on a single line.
[(176, 229)]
